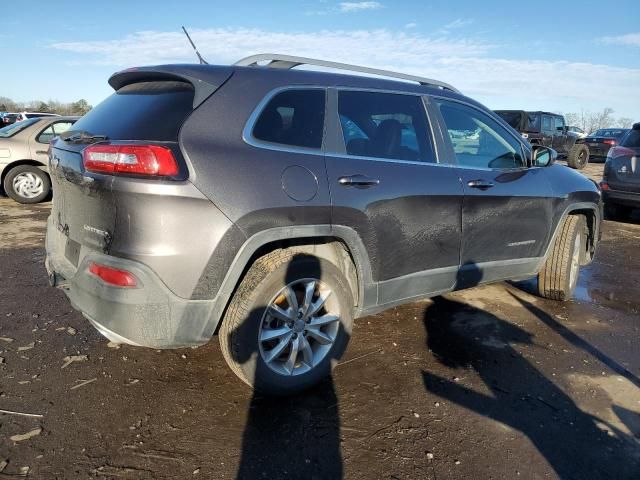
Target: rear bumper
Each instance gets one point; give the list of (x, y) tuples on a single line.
[(149, 315), (619, 197)]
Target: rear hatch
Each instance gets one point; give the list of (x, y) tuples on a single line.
[(148, 108), (622, 170)]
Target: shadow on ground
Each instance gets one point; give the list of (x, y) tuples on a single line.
[(464, 337)]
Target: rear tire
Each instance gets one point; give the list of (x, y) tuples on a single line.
[(578, 156), (27, 184), (559, 276), (249, 320)]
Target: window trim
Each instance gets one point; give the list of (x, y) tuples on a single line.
[(247, 132), (526, 152)]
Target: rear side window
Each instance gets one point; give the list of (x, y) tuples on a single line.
[(293, 117), (385, 125), (53, 130), (141, 111)]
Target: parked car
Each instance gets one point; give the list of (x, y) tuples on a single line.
[(580, 133), (23, 156), (547, 129), (621, 179), (598, 143), (9, 118), (308, 198), (27, 115)]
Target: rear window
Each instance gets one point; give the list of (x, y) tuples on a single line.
[(293, 117), (141, 111), (615, 133), (632, 139)]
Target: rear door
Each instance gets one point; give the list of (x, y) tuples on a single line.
[(622, 170), (507, 208), (387, 184)]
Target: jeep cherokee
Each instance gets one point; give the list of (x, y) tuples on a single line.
[(274, 205)]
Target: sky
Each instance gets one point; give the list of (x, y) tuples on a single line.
[(561, 56)]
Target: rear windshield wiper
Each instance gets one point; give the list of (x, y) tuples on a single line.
[(83, 137)]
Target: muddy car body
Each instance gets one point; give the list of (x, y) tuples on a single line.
[(279, 205)]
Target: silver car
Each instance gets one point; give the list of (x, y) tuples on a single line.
[(23, 156)]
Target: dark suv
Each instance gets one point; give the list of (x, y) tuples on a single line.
[(548, 129), (273, 206), (621, 179)]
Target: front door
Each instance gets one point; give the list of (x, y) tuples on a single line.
[(507, 208), (386, 183)]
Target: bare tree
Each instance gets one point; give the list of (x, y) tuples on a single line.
[(624, 122)]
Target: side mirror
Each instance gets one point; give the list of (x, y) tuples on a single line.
[(543, 156)]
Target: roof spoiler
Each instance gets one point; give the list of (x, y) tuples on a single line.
[(205, 79)]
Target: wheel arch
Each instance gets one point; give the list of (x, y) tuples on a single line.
[(593, 216), (339, 245), (17, 163)]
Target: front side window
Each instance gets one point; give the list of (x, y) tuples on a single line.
[(479, 141), (384, 125), (533, 122), (559, 123), (293, 117)]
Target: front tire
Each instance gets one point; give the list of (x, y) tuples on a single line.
[(288, 323), (27, 184), (559, 276), (578, 156)]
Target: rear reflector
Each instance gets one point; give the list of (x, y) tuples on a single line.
[(113, 276), (152, 160), (616, 152)]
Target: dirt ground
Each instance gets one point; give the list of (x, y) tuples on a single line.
[(490, 383)]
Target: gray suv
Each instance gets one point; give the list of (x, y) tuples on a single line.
[(273, 205)]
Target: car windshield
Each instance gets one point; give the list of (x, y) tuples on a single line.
[(615, 133), (11, 130)]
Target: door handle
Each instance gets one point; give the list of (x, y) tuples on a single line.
[(481, 184), (361, 181), (43, 152)]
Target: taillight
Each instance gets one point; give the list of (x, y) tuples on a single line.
[(609, 142), (604, 186), (113, 276), (616, 152), (152, 160)]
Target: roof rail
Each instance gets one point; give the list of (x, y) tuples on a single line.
[(289, 61)]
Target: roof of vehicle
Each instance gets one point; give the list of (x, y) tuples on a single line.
[(41, 113), (197, 74), (530, 111)]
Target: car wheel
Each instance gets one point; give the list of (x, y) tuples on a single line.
[(27, 184), (578, 156), (288, 323), (613, 211), (559, 276)]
